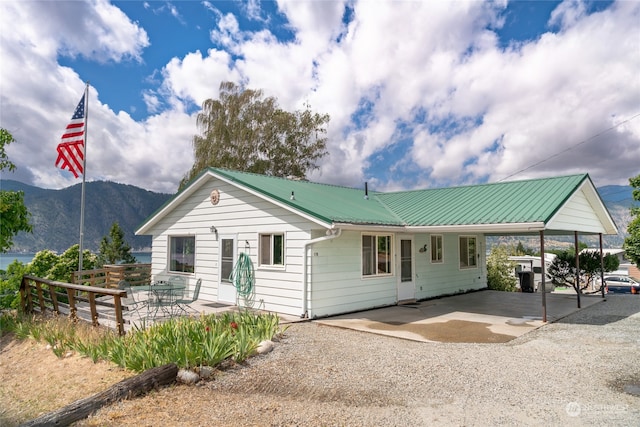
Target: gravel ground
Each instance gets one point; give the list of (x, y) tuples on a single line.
[(573, 372)]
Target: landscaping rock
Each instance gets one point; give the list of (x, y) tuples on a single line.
[(265, 347), (206, 372), (188, 377)]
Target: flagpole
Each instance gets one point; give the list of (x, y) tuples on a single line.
[(84, 174)]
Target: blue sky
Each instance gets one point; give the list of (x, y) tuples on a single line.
[(420, 94)]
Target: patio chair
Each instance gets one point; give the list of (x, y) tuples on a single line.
[(185, 303), (133, 301)]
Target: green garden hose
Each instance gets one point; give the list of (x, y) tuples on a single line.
[(242, 276)]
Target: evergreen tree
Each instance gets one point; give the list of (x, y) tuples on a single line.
[(114, 249)]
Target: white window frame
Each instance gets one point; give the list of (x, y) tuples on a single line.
[(271, 254), (439, 238), (474, 256), (171, 256), (374, 256)]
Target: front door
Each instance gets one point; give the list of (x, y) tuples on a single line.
[(226, 289), (406, 283)]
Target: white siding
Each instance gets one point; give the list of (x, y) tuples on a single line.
[(577, 214), (447, 278), (336, 284), (245, 216)]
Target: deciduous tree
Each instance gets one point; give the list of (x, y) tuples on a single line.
[(14, 214), (245, 131), (562, 270), (500, 270), (632, 241)]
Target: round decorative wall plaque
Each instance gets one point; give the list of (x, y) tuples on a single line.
[(215, 197)]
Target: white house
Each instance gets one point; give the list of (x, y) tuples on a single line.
[(314, 250)]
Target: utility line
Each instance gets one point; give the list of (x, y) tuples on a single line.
[(571, 148)]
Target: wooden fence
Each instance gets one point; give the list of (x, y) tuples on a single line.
[(40, 295), (110, 276)]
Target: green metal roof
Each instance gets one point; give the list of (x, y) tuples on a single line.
[(535, 200), (327, 203)]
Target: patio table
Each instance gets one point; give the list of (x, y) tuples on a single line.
[(163, 298)]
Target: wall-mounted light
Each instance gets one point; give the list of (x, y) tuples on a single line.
[(213, 229), (423, 249)]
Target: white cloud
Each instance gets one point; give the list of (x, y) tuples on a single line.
[(568, 13), (482, 111), (428, 79)]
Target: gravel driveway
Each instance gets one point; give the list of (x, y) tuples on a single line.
[(574, 372)]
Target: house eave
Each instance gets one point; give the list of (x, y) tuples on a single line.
[(525, 227), (528, 227)]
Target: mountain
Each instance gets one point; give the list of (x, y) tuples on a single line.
[(618, 199), (55, 214), (616, 194)]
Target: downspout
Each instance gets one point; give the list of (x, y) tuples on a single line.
[(332, 233)]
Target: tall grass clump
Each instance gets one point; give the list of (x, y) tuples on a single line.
[(188, 342)]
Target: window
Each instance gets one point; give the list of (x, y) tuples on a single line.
[(376, 255), (436, 248), (272, 249), (467, 252), (182, 254)]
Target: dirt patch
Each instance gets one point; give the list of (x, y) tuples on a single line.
[(629, 385), (35, 381), (460, 331)]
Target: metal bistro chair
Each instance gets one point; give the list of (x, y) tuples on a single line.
[(133, 302), (184, 304)]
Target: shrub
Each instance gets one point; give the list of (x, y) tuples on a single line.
[(500, 271)]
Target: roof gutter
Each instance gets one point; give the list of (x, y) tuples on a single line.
[(524, 227), (332, 233), (519, 227)]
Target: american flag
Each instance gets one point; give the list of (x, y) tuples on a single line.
[(71, 149)]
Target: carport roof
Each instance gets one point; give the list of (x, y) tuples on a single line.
[(514, 206), (534, 200)]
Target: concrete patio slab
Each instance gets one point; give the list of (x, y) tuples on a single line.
[(483, 317)]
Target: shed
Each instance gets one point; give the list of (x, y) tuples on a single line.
[(316, 250)]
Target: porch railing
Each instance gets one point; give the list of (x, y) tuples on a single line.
[(40, 295), (109, 276)]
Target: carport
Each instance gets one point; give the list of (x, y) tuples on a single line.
[(477, 317), (568, 206), (580, 212)]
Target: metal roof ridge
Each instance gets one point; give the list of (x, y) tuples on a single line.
[(388, 209), (486, 184), (230, 174)]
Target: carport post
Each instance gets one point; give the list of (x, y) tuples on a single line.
[(601, 267), (544, 275), (575, 236)]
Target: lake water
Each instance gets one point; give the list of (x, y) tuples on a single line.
[(6, 259)]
